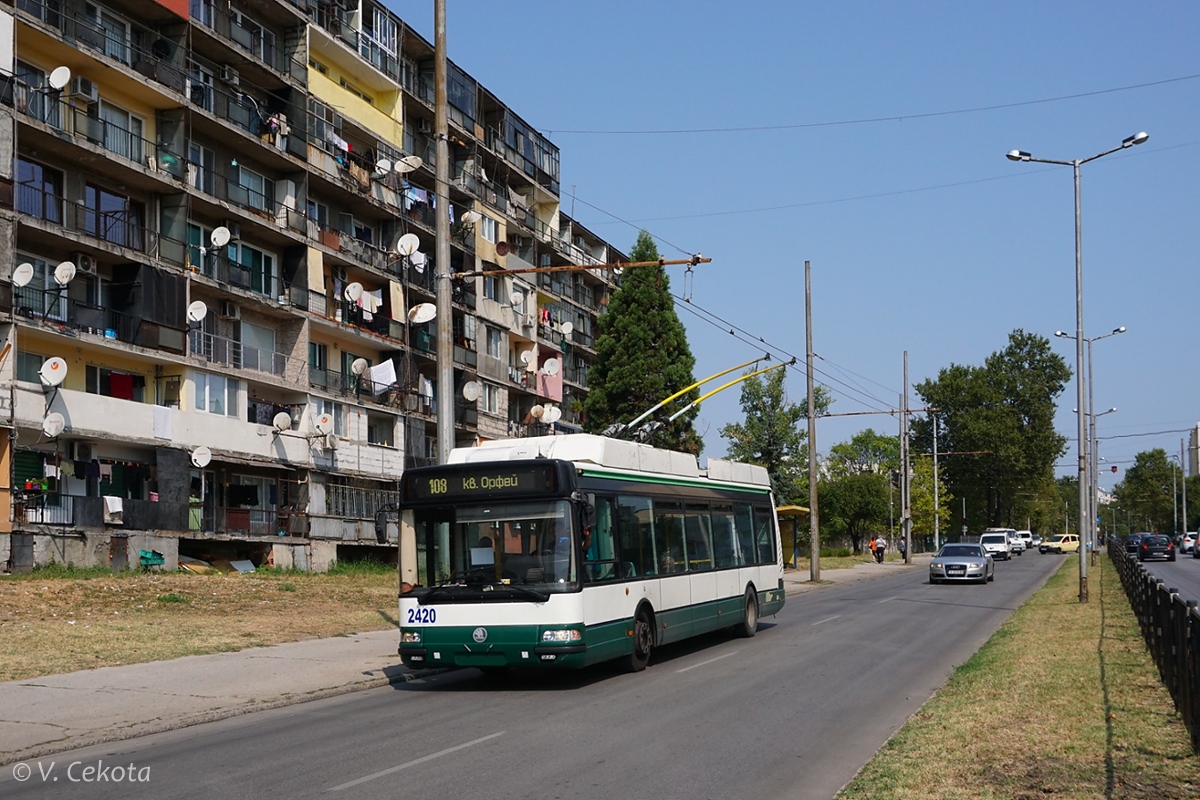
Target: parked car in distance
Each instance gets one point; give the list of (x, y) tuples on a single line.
[(962, 561), (1063, 543), (1027, 538), (1188, 543), (1155, 545), (996, 545)]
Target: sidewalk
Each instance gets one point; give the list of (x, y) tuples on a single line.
[(55, 713)]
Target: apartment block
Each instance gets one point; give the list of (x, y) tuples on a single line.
[(214, 338)]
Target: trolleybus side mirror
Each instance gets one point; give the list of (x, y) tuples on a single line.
[(381, 526)]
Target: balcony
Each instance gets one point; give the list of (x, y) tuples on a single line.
[(343, 311), (247, 35), (258, 200), (237, 355), (123, 227), (221, 268)]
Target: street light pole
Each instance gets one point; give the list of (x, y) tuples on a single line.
[(1019, 155)]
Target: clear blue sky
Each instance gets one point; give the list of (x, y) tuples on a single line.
[(869, 138)]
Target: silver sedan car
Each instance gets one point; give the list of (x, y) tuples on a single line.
[(962, 562)]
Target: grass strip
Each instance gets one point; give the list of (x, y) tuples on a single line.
[(1063, 701)]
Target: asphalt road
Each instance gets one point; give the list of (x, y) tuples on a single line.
[(1183, 574), (791, 713)]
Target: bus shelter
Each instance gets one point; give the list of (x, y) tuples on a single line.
[(790, 519)]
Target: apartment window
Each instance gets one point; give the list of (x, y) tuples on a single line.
[(216, 394), (359, 93), (29, 366), (318, 214), (251, 189), (383, 30), (122, 132), (113, 217), (31, 97), (42, 297), (491, 285), (491, 398), (258, 347), (491, 228), (493, 342), (109, 33), (39, 191), (318, 356), (252, 36), (201, 167), (381, 429), (318, 66), (200, 86), (113, 383), (258, 265), (335, 410)]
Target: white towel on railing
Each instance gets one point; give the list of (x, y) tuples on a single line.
[(383, 376)]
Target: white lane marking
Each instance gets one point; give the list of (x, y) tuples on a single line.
[(414, 762), (889, 599), (706, 663), (827, 619)]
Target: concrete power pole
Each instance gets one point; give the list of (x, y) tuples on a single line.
[(445, 314), (906, 481), (814, 560)]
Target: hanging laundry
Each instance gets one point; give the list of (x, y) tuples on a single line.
[(383, 376), (49, 471), (106, 472)]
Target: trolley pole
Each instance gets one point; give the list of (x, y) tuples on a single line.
[(814, 560)]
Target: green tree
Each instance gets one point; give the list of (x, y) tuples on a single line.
[(1146, 495), (852, 506), (921, 497), (643, 356), (867, 451), (772, 436), (996, 424)]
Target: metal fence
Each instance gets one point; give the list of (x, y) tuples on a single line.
[(1171, 626)]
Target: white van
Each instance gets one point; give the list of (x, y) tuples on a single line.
[(1027, 538), (996, 545), (1015, 544)]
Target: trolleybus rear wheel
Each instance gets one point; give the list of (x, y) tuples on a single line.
[(749, 624)]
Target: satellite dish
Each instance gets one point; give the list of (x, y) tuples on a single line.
[(567, 329), (354, 291), (553, 414), (516, 298), (22, 275), (502, 248), (201, 456), (526, 356), (537, 412), (53, 424), (53, 371), (471, 217), (407, 244), (324, 424), (220, 236), (551, 366), (471, 390), (64, 273), (423, 312), (359, 366), (282, 421), (383, 166), (197, 311), (408, 164), (59, 77)]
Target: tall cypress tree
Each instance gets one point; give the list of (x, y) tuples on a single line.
[(643, 356)]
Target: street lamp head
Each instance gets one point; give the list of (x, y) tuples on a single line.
[(1063, 335), (1137, 138), (1018, 155), (1119, 330)]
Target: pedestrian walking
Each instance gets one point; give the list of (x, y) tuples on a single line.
[(880, 546)]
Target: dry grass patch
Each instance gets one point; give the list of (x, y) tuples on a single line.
[(52, 624), (1064, 701)]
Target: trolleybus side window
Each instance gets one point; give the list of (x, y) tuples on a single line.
[(600, 550), (698, 533), (635, 534), (765, 534), (725, 546), (743, 519), (668, 537)]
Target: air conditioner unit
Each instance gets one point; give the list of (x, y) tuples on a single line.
[(424, 125), (81, 451), (85, 90), (85, 262), (330, 441), (229, 310), (229, 75)]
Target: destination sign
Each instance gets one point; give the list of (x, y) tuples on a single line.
[(488, 481)]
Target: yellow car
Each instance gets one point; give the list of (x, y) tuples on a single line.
[(1063, 543)]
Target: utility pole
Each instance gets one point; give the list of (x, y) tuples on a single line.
[(906, 481), (936, 527), (445, 313), (814, 560), (1183, 480)]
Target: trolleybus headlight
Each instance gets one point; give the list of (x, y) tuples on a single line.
[(567, 635), (410, 637)]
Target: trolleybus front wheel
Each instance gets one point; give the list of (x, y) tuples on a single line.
[(749, 624), (643, 641)]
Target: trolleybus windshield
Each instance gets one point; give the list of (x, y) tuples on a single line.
[(473, 550)]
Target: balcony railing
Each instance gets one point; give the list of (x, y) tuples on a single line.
[(220, 267), (238, 355), (44, 508), (353, 502), (123, 227), (341, 310)]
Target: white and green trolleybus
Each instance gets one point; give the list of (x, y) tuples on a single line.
[(565, 551)]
